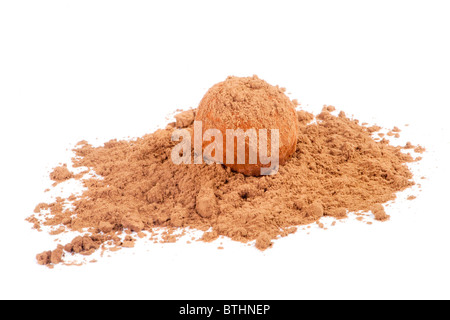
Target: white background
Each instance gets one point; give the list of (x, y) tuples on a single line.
[(73, 70)]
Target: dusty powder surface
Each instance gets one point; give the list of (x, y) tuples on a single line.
[(337, 168), (249, 103)]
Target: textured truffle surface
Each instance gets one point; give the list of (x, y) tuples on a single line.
[(249, 103)]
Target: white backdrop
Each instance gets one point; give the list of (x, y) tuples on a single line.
[(74, 70)]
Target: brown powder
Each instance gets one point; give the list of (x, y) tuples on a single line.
[(184, 119), (337, 168), (419, 149), (379, 213), (61, 174), (263, 241)]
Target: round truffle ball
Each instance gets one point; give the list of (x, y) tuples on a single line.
[(249, 103)]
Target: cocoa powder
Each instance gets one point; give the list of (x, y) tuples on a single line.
[(61, 174), (337, 168)]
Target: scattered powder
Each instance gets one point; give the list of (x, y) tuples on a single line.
[(371, 129), (337, 168), (419, 149)]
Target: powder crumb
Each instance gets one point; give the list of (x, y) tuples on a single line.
[(61, 174), (57, 231), (50, 257), (56, 256), (411, 198), (419, 149), (315, 210), (41, 206), (210, 236), (169, 238), (263, 241), (338, 213), (380, 213), (304, 117), (373, 129), (185, 119), (128, 244), (171, 126), (105, 227), (44, 258), (133, 223), (206, 204)]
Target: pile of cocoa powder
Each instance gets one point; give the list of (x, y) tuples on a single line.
[(340, 166)]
